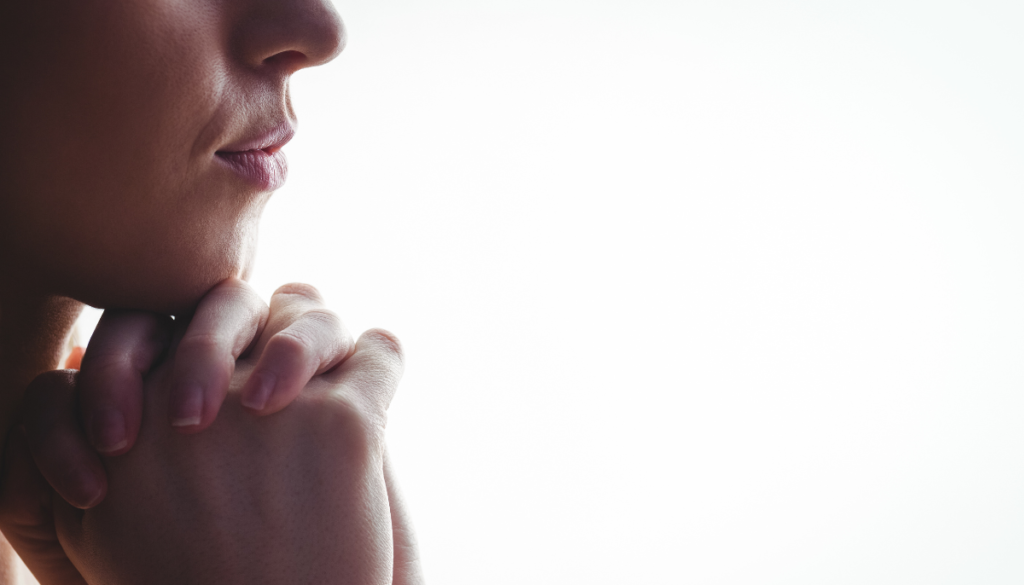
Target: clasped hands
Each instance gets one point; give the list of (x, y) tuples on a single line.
[(157, 463)]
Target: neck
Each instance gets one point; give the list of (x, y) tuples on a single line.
[(33, 330)]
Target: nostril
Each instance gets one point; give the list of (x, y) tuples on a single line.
[(289, 60)]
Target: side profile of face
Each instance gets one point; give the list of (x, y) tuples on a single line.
[(141, 139)]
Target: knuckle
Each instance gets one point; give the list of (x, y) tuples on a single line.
[(291, 343), (388, 340), (325, 319), (300, 289), (103, 375), (323, 332)]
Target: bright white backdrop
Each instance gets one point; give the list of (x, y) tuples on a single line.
[(692, 292)]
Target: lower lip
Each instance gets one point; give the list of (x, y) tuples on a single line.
[(265, 171)]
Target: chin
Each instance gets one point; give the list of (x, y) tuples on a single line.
[(167, 269), (179, 299), (175, 289)]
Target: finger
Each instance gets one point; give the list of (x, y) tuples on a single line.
[(124, 347), (227, 321), (407, 569), (303, 339), (55, 438), (372, 373), (26, 515)]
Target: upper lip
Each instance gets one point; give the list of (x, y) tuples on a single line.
[(269, 141)]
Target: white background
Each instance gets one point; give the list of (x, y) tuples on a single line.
[(692, 292)]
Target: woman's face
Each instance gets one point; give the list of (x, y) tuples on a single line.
[(140, 139)]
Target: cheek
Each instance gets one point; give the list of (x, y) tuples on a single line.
[(111, 200), (112, 104)]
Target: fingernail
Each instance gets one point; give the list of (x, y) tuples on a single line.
[(108, 430), (188, 408), (257, 399), (85, 487)]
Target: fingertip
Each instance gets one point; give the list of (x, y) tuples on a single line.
[(194, 407), (202, 374), (258, 389), (382, 339), (108, 431), (288, 363), (185, 411), (192, 426), (83, 488), (59, 449), (266, 392)]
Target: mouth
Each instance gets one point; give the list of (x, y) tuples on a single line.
[(258, 160)]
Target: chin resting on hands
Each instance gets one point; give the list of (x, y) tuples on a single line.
[(287, 344)]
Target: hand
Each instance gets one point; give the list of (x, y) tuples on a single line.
[(298, 497), (294, 498), (296, 338)]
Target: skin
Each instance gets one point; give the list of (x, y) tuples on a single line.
[(113, 192), (110, 139), (114, 195), (298, 497)]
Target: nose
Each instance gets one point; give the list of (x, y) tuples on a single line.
[(288, 35)]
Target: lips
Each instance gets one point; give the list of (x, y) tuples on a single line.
[(258, 159)]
